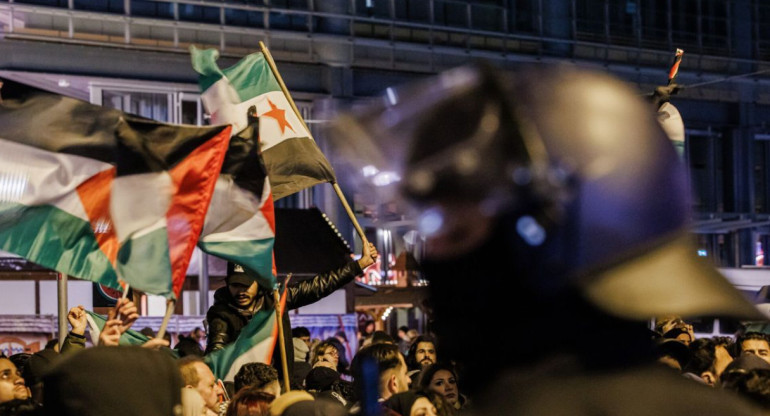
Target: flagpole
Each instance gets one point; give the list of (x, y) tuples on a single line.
[(63, 307), (281, 340), (170, 304), (336, 187)]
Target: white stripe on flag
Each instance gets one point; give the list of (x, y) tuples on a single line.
[(139, 203), (258, 353), (234, 214), (33, 176)]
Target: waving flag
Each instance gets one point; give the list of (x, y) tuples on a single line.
[(164, 183), (240, 223), (90, 191), (293, 160), (256, 343)]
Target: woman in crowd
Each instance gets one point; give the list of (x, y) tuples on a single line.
[(441, 378)]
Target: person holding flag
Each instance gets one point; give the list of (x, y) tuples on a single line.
[(242, 298)]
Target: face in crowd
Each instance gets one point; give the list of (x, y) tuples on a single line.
[(11, 383), (445, 384), (207, 386), (243, 294), (425, 354), (758, 347)]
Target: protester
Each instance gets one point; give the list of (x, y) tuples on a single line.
[(411, 403), (301, 364), (11, 382), (250, 401), (579, 235), (198, 376), (422, 353), (755, 343), (237, 302), (379, 371), (325, 354), (116, 381), (260, 376), (192, 403), (300, 403), (326, 383), (441, 378)]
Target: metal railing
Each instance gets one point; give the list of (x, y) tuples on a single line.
[(444, 34)]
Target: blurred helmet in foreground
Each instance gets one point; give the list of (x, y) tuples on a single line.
[(575, 161)]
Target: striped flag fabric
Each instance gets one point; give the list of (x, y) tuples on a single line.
[(56, 172), (97, 194), (163, 187), (292, 158), (96, 324), (240, 223), (256, 343)]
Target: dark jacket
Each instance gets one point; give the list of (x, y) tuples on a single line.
[(225, 320)]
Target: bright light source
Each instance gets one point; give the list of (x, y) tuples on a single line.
[(385, 178), (392, 97), (369, 170), (530, 230), (702, 252), (430, 222)]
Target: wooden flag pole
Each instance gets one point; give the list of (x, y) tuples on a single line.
[(282, 342), (170, 304), (336, 187)]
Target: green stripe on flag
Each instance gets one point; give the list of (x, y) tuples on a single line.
[(250, 77), (254, 344), (130, 337), (255, 256), (55, 239), (144, 263)]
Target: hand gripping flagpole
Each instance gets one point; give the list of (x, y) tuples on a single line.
[(279, 307), (336, 187)]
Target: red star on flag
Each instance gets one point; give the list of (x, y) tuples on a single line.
[(279, 116)]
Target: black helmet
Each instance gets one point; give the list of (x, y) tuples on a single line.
[(574, 161)]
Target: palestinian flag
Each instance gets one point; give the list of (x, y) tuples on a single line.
[(293, 160), (63, 162), (96, 324), (240, 223), (255, 344), (164, 182), (56, 172)]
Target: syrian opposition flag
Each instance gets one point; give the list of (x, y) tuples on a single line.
[(240, 223), (164, 182), (63, 164), (293, 160), (256, 343)]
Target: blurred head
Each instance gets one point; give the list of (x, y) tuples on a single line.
[(411, 403), (11, 383), (250, 401), (708, 359)]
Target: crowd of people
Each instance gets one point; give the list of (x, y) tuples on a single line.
[(110, 378), (553, 200)]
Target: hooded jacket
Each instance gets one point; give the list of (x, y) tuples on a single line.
[(226, 320)]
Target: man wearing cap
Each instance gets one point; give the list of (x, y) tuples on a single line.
[(236, 303), (566, 176)]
